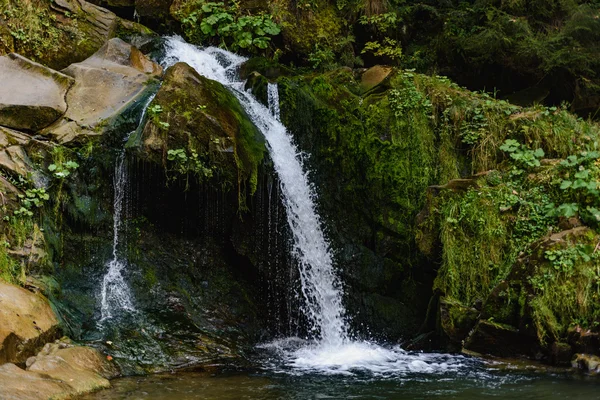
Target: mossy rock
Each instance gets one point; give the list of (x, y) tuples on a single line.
[(502, 340), (456, 320), (43, 29), (201, 116)]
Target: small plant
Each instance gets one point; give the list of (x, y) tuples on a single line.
[(212, 20), (154, 110), (389, 48), (62, 170), (33, 198), (523, 156), (184, 164)]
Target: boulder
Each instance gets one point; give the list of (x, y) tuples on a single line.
[(587, 363), (32, 96), (58, 32), (27, 322), (14, 158), (456, 320), (17, 383), (83, 368), (109, 87), (374, 76), (500, 340), (61, 370), (200, 115), (156, 9)]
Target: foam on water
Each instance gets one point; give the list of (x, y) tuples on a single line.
[(330, 351)]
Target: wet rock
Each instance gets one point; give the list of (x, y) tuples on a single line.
[(456, 320), (561, 354), (587, 363), (500, 340), (108, 87), (201, 116), (26, 323), (32, 96)]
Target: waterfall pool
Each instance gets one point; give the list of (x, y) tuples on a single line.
[(476, 381)]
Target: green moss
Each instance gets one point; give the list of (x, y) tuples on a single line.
[(565, 283)]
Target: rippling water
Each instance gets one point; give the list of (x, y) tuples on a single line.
[(476, 382)]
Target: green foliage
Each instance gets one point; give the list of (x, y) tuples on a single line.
[(579, 187), (192, 164), (522, 155), (63, 169), (33, 198), (214, 21), (566, 285)]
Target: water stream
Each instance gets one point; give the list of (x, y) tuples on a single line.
[(115, 294)]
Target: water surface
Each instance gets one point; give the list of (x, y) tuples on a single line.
[(476, 384)]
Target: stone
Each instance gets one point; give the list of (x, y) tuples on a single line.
[(95, 25), (58, 32), (500, 340), (17, 383), (109, 86), (561, 354), (587, 363), (27, 322), (456, 320), (60, 370), (200, 114), (156, 9), (374, 76), (32, 96)]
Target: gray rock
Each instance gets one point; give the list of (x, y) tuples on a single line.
[(107, 85), (32, 96)]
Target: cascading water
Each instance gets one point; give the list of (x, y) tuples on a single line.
[(332, 351), (320, 285), (115, 293)]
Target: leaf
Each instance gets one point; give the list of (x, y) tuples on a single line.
[(539, 153), (568, 210), (71, 165), (565, 185), (579, 183), (52, 167)]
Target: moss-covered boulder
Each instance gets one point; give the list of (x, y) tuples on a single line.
[(197, 127), (42, 29)]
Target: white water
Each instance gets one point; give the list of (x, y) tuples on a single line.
[(115, 293), (332, 351)]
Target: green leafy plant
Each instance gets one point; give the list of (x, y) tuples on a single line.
[(192, 164), (214, 21), (522, 155), (62, 170)]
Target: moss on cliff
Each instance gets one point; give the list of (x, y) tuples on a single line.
[(198, 128)]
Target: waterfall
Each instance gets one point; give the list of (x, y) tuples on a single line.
[(331, 350), (115, 293), (319, 283)]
